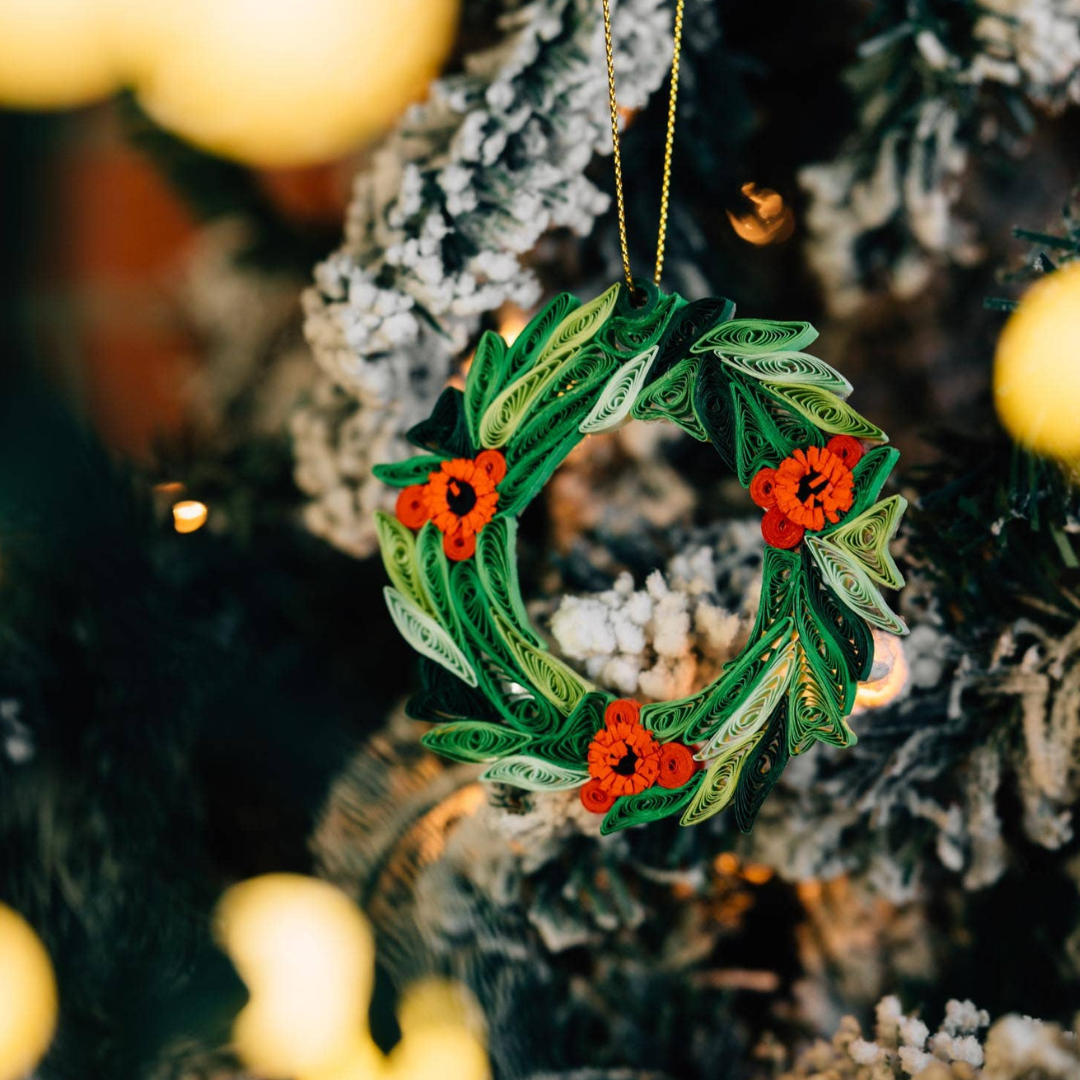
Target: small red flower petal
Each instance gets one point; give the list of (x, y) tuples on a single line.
[(493, 463), (411, 507), (677, 765), (763, 489), (458, 546), (624, 710), (779, 532), (847, 448), (596, 798)]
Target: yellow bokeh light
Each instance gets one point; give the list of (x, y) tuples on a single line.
[(274, 83), (189, 515), (512, 320), (55, 54), (307, 956), (289, 82), (28, 1002), (1037, 367)]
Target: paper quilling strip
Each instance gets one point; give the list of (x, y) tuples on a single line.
[(778, 418)]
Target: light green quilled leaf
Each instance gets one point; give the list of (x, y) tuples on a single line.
[(426, 636), (619, 394), (791, 369), (506, 415), (719, 783), (826, 410), (510, 406), (559, 410), (851, 583), (580, 325), (416, 470), (556, 681), (751, 714), (474, 741), (398, 548), (866, 538), (755, 337), (534, 774)]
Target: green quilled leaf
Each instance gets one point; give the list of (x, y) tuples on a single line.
[(852, 584), (427, 637), (534, 774), (404, 474), (825, 410), (649, 805), (866, 539), (474, 741)]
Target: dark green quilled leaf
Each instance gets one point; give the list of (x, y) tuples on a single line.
[(404, 474), (474, 741), (446, 430)]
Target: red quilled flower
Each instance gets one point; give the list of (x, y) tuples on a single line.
[(459, 498), (806, 490), (625, 758)]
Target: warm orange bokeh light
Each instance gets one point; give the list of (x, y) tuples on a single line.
[(889, 658), (770, 221), (189, 516), (510, 321)]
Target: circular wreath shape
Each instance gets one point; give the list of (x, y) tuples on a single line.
[(777, 417)]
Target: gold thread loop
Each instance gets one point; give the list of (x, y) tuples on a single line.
[(669, 142)]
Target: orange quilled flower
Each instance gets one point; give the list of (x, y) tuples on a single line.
[(460, 498), (623, 756), (806, 490)]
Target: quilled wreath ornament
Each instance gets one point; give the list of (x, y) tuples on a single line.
[(777, 417)]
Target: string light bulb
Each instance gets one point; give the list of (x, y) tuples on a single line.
[(189, 515), (770, 221)]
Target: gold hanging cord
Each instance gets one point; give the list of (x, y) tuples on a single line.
[(668, 143)]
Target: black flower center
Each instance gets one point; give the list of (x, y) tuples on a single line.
[(813, 483), (460, 497), (626, 766)]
